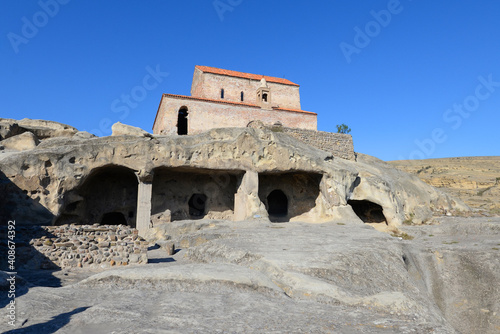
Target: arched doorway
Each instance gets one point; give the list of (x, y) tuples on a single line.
[(197, 204), (277, 205), (182, 121)]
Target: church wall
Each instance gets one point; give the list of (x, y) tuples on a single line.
[(209, 85), (203, 115)]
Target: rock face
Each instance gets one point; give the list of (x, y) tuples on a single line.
[(475, 180), (257, 276), (262, 262), (40, 128), (233, 173)]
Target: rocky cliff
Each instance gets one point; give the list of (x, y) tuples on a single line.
[(56, 180)]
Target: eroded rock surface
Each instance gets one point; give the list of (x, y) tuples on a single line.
[(78, 180), (256, 276)]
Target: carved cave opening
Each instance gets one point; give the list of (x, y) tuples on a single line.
[(367, 211), (277, 203), (288, 195), (108, 195), (187, 193), (197, 205)]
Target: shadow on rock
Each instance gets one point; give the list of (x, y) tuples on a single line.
[(51, 326)]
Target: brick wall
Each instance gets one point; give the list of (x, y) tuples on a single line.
[(208, 85), (204, 115), (340, 145)]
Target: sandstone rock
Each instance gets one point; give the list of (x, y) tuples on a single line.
[(168, 246), (472, 179), (120, 129), (83, 135), (23, 142), (9, 128), (47, 129), (228, 164)]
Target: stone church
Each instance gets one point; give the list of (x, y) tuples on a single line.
[(223, 98)]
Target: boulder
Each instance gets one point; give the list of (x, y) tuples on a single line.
[(83, 135), (9, 128), (120, 129), (22, 142), (47, 129)]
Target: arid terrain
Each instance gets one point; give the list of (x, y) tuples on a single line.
[(262, 277), (475, 180)]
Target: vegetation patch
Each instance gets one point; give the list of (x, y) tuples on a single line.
[(409, 220), (402, 235)]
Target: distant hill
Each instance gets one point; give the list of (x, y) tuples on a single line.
[(476, 180)]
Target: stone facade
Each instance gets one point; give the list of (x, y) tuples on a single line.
[(223, 98), (338, 144)]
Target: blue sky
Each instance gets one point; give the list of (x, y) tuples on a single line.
[(413, 79)]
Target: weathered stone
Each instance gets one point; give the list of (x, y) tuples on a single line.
[(120, 129), (134, 258), (22, 142)]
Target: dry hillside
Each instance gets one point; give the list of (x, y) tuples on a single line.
[(476, 180)]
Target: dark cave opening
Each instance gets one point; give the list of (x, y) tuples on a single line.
[(197, 204), (367, 211), (277, 204), (113, 218)]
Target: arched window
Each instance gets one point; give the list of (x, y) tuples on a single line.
[(242, 95), (182, 121), (222, 93)]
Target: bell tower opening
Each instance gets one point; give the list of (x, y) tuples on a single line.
[(264, 95)]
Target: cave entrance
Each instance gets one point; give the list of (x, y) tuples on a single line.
[(277, 205), (182, 121), (367, 211), (113, 218), (197, 204), (108, 195)]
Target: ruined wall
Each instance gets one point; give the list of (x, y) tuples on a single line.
[(92, 246), (209, 85), (204, 115), (340, 145), (193, 194)]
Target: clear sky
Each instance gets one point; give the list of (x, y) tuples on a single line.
[(412, 79)]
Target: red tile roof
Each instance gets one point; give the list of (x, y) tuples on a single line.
[(230, 73), (234, 103)]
